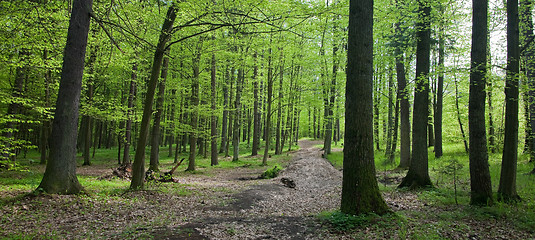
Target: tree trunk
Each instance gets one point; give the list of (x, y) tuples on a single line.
[(194, 106), (60, 172), (390, 114), (360, 192), (45, 128), (268, 108), (418, 174), (507, 188), (278, 149), (256, 112), (529, 57), (439, 96), (213, 122), (129, 116), (480, 184), (156, 131), (237, 116), (224, 125), (138, 168), (88, 119), (405, 128)]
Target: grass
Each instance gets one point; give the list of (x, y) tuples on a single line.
[(521, 215)]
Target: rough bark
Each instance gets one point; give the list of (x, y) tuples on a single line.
[(480, 184), (405, 125), (418, 174), (60, 172), (224, 125), (360, 192), (507, 188)]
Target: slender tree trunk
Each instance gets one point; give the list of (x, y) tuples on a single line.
[(156, 131), (138, 168), (268, 108), (237, 115), (405, 128), (129, 116), (390, 114), (418, 174), (507, 188), (526, 18), (360, 192), (225, 114), (213, 127), (256, 112), (194, 106), (439, 96), (459, 115), (60, 172), (45, 128), (480, 184), (278, 149), (88, 119)]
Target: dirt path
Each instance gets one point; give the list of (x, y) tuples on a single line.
[(270, 210)]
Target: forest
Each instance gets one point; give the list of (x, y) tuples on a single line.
[(267, 119)]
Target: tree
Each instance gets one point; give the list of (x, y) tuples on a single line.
[(526, 29), (138, 168), (480, 184), (507, 188), (155, 140), (360, 192), (60, 172), (213, 127), (418, 174)]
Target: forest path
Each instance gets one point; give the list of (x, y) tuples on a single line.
[(270, 210)]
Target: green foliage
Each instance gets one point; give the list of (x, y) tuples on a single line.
[(272, 172)]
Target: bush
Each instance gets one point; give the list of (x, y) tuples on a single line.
[(272, 172)]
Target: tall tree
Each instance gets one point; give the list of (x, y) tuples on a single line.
[(360, 192), (213, 121), (194, 121), (526, 29), (439, 98), (60, 172), (480, 184), (138, 168), (267, 128), (405, 125), (507, 188), (156, 131), (418, 174), (256, 110), (129, 116)]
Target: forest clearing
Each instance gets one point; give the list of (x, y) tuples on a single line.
[(233, 203), (286, 119)]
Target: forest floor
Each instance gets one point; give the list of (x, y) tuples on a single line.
[(236, 204)]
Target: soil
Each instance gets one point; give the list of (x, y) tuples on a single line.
[(235, 204)]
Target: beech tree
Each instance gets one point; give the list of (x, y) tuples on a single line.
[(360, 192), (60, 172), (480, 184), (418, 174)]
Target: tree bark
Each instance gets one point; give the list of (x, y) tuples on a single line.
[(278, 148), (60, 172), (194, 105), (225, 114), (480, 183), (129, 116), (156, 131), (360, 192), (237, 116), (213, 127), (418, 174), (268, 108), (507, 188), (526, 29), (256, 112), (405, 128), (439, 96), (138, 168)]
